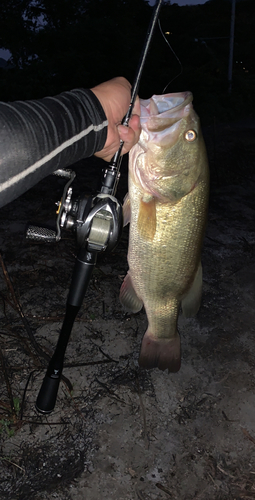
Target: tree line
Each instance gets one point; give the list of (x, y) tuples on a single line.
[(57, 45)]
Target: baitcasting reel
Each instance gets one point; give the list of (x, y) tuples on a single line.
[(97, 221)]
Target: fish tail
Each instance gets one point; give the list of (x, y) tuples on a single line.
[(159, 353)]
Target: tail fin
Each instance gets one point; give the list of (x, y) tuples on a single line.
[(160, 353)]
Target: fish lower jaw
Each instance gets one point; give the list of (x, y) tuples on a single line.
[(162, 353)]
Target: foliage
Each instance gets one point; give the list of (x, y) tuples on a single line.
[(7, 424)]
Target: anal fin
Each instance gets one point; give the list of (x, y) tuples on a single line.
[(128, 296), (191, 302)]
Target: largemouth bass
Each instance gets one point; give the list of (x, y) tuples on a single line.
[(167, 210)]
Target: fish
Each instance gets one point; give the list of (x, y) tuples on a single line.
[(166, 207)]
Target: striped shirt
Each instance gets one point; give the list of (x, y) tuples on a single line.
[(38, 137)]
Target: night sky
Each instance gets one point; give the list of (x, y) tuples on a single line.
[(189, 2), (5, 54), (183, 2)]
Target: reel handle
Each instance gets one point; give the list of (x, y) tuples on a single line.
[(44, 234), (37, 233)]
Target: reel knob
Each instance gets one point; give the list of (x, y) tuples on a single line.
[(37, 233)]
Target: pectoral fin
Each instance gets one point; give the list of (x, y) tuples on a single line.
[(126, 210), (128, 297), (147, 219), (191, 302)]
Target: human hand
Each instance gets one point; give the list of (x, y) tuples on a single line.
[(115, 96)]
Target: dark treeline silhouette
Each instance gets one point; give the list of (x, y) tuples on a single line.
[(62, 44)]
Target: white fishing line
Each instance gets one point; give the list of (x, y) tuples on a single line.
[(175, 55)]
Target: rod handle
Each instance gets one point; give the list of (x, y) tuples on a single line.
[(47, 396)]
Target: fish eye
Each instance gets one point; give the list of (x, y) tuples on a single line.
[(190, 135)]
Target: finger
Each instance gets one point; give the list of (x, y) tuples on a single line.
[(130, 135), (135, 124), (137, 107)]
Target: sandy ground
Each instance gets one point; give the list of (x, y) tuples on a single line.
[(122, 432)]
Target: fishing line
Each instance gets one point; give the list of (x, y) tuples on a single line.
[(175, 55)]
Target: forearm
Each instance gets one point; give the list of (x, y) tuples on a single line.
[(38, 137)]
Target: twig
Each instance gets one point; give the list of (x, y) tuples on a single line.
[(226, 417), (89, 363), (20, 312), (111, 392), (215, 484), (13, 463), (161, 487), (24, 395), (199, 495), (76, 406), (247, 434), (104, 353), (38, 349), (4, 406), (224, 472), (17, 335), (213, 240), (8, 385), (143, 413), (36, 422), (140, 495), (4, 299)]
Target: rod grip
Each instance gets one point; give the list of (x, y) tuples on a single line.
[(47, 396)]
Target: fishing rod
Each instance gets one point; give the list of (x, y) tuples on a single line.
[(97, 222), (117, 158)]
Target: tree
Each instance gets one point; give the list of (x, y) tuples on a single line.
[(62, 44)]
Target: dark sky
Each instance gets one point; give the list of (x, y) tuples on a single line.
[(189, 2), (5, 54), (183, 2)]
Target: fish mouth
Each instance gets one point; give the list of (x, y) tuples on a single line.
[(160, 113), (158, 104), (163, 120)]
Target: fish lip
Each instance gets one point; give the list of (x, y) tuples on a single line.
[(162, 113), (187, 98)]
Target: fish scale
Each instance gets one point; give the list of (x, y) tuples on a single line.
[(168, 215)]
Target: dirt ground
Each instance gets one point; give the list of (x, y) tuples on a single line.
[(122, 432)]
